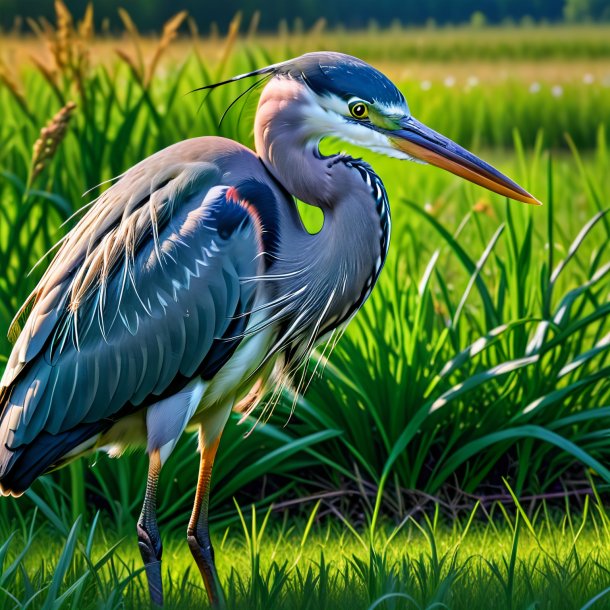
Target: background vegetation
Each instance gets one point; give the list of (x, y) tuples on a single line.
[(477, 373), (304, 13)]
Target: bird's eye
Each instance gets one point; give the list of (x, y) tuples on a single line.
[(358, 109)]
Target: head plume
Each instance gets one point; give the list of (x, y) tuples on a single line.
[(330, 73)]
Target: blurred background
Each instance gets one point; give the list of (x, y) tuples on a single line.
[(342, 13)]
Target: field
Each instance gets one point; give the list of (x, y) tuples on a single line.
[(485, 560), (454, 451)]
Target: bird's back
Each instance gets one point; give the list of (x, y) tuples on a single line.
[(144, 294)]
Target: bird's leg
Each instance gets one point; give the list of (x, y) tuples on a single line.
[(149, 539), (198, 534)]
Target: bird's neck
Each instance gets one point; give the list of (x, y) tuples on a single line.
[(341, 263), (287, 145)]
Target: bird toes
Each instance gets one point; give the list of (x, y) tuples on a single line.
[(151, 551)]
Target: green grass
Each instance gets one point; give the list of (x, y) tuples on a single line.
[(500, 557), (456, 44)]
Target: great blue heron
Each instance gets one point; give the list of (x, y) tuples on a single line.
[(192, 280)]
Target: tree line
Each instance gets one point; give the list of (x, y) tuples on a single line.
[(149, 15)]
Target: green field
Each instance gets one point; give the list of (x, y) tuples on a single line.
[(478, 369), (486, 559)]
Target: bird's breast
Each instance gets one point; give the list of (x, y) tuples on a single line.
[(236, 378)]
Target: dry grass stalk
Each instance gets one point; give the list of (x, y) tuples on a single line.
[(50, 75), (85, 27), (44, 31), (133, 66), (15, 29), (82, 56), (170, 31), (49, 139), (63, 46), (130, 26), (35, 27), (136, 65), (68, 48), (254, 23), (48, 35), (230, 41), (318, 27), (10, 82), (193, 28)]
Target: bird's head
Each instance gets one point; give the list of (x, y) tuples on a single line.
[(343, 96)]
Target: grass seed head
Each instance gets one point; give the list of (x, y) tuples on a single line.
[(85, 27), (48, 72), (230, 40), (49, 139), (64, 36), (319, 27), (137, 64), (254, 23), (170, 31), (130, 26), (193, 28)]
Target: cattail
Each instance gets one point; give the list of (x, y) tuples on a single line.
[(170, 31), (49, 139)]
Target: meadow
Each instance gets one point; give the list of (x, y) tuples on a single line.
[(453, 450)]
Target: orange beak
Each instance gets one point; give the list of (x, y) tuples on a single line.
[(421, 142)]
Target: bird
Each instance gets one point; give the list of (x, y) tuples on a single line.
[(190, 286)]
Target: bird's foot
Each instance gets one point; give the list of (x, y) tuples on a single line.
[(203, 553), (151, 550)]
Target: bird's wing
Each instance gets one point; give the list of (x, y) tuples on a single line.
[(137, 302)]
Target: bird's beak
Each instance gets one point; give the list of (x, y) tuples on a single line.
[(425, 144)]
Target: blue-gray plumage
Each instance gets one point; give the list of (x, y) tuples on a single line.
[(192, 280)]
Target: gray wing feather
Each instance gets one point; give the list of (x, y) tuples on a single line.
[(149, 320), (120, 218)]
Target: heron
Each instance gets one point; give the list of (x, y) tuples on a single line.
[(191, 285)]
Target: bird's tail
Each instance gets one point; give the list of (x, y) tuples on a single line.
[(20, 466), (6, 456)]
